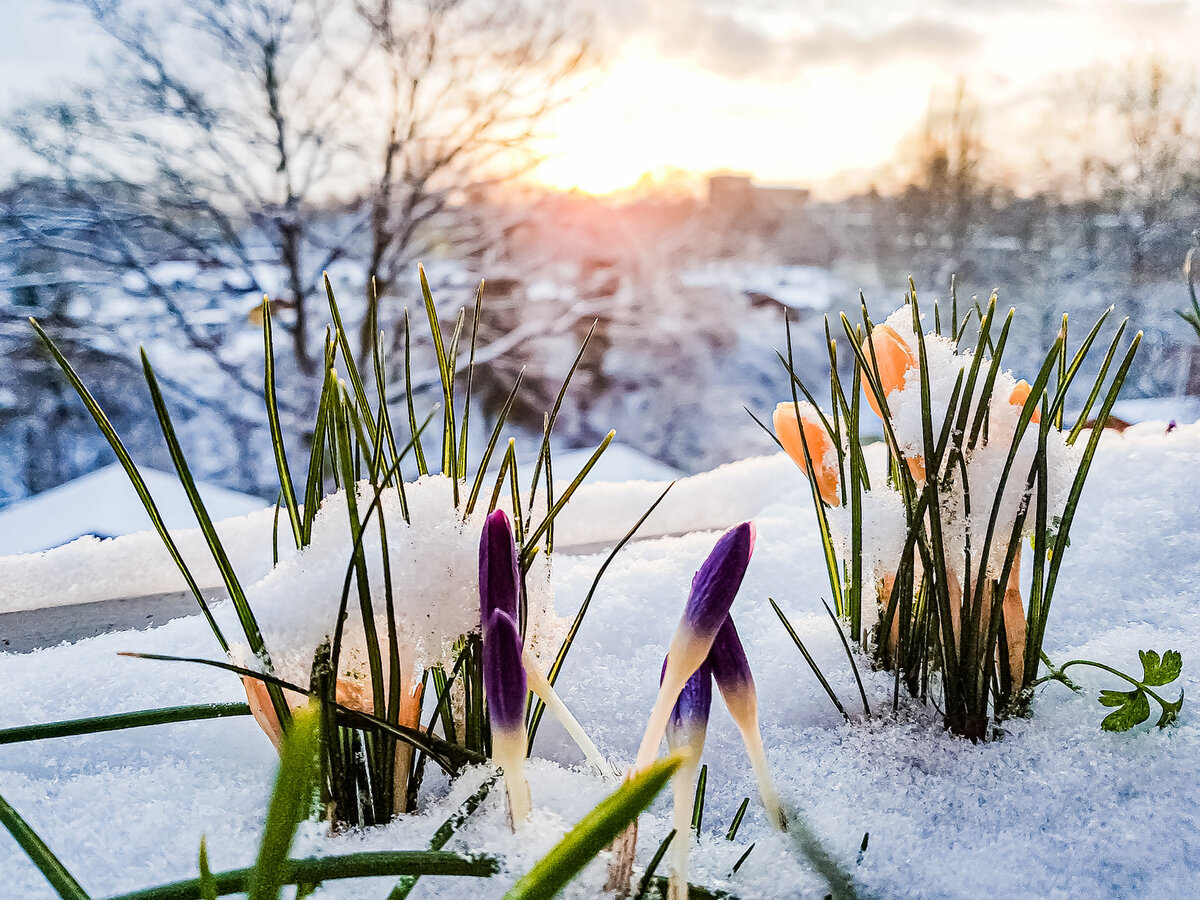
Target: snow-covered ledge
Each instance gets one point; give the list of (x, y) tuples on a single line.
[(90, 570)]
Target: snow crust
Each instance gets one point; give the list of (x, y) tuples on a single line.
[(1057, 808)]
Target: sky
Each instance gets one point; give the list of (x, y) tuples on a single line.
[(813, 92)]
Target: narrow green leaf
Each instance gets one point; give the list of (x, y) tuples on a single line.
[(207, 884), (121, 721), (135, 477), (698, 803), (446, 831), (652, 866), (232, 584), (539, 708), (369, 864), (812, 663), (737, 820), (531, 541), (356, 382), (277, 442), (594, 832), (40, 855), (290, 802)]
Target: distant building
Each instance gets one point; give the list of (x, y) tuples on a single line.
[(738, 197)]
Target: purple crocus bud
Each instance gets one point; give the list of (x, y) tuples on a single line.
[(505, 687), (716, 583), (731, 668), (504, 672), (499, 576), (688, 723), (1171, 426), (713, 589), (731, 671)]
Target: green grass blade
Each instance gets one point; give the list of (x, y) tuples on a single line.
[(232, 583), (121, 721), (135, 477), (290, 802), (841, 885), (549, 426), (40, 855), (731, 834), (594, 832), (812, 663), (698, 803), (385, 428), (449, 756), (1081, 473), (445, 372), (277, 444), (446, 831), (652, 866), (207, 884), (367, 864), (1060, 395), (357, 529), (422, 466), (473, 497), (466, 414), (343, 341), (1097, 386), (539, 708), (531, 541)]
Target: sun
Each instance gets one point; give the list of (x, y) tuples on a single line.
[(652, 114)]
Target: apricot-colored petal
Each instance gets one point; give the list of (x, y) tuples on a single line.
[(893, 359), (787, 430), (1020, 395)]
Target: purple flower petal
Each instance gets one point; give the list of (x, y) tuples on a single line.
[(694, 703), (717, 582), (499, 577), (503, 672), (728, 660)]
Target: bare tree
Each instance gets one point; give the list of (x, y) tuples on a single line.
[(227, 132), (468, 82)]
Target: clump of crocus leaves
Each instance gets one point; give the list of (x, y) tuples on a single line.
[(975, 465)]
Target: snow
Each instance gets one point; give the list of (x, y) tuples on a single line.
[(104, 504), (434, 563), (1056, 808), (618, 463)]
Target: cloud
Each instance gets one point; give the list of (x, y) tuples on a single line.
[(759, 41)]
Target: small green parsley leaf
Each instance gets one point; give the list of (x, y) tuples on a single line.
[(1159, 672), (1134, 709)]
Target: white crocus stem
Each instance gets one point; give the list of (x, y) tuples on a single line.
[(743, 708), (766, 787), (544, 690), (684, 658), (683, 785), (508, 752)]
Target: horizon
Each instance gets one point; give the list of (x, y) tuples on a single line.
[(796, 94)]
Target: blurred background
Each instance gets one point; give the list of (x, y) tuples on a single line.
[(682, 173)]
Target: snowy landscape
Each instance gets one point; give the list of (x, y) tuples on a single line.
[(400, 402), (1055, 807)]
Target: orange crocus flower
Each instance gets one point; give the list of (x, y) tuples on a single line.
[(787, 430), (893, 359), (1020, 394)]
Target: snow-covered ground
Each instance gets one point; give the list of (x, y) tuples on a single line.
[(1057, 808)]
